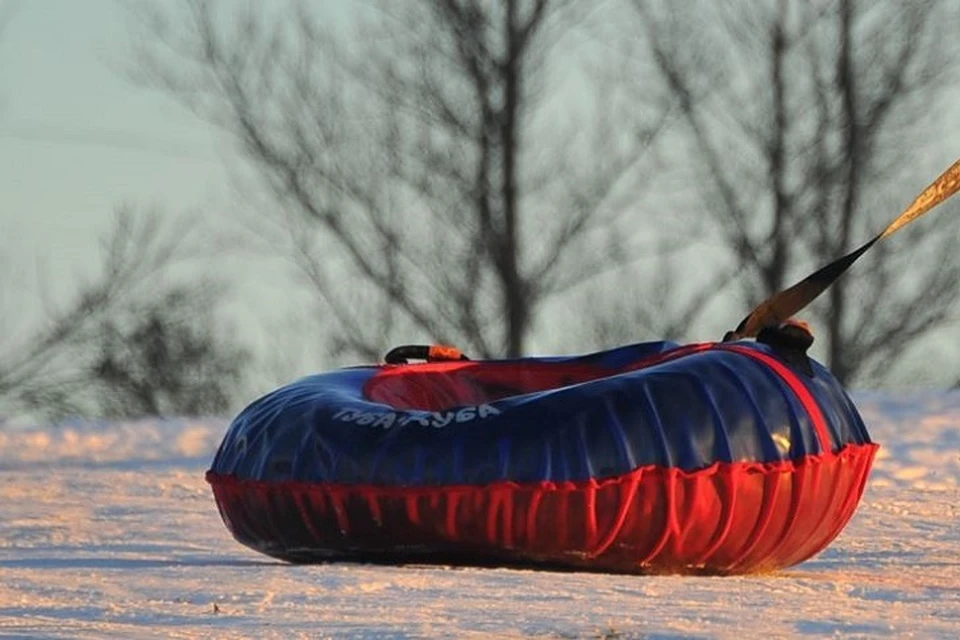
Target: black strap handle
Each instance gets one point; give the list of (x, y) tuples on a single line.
[(427, 353)]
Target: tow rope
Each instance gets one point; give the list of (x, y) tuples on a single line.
[(781, 306)]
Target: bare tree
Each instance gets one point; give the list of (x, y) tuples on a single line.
[(128, 343), (167, 356), (810, 123), (434, 180)]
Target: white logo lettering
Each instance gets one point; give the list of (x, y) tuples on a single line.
[(437, 420), (486, 410), (423, 421), (386, 420), (440, 420)]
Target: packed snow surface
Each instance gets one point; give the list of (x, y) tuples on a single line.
[(110, 531)]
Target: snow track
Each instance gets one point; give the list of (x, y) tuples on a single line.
[(109, 531)]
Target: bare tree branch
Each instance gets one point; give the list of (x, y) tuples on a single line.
[(827, 94), (412, 156), (52, 370)]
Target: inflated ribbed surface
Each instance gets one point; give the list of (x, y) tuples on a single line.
[(711, 405), (726, 519), (650, 458)]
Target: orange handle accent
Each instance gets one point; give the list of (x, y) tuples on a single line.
[(800, 324), (444, 352)]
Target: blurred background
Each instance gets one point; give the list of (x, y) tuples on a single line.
[(200, 199)]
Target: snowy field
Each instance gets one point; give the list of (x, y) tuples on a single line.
[(109, 531)]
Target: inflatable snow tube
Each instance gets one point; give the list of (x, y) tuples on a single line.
[(709, 458)]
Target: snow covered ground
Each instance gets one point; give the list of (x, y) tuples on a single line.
[(109, 531)]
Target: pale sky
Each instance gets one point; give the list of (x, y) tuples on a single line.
[(78, 138)]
